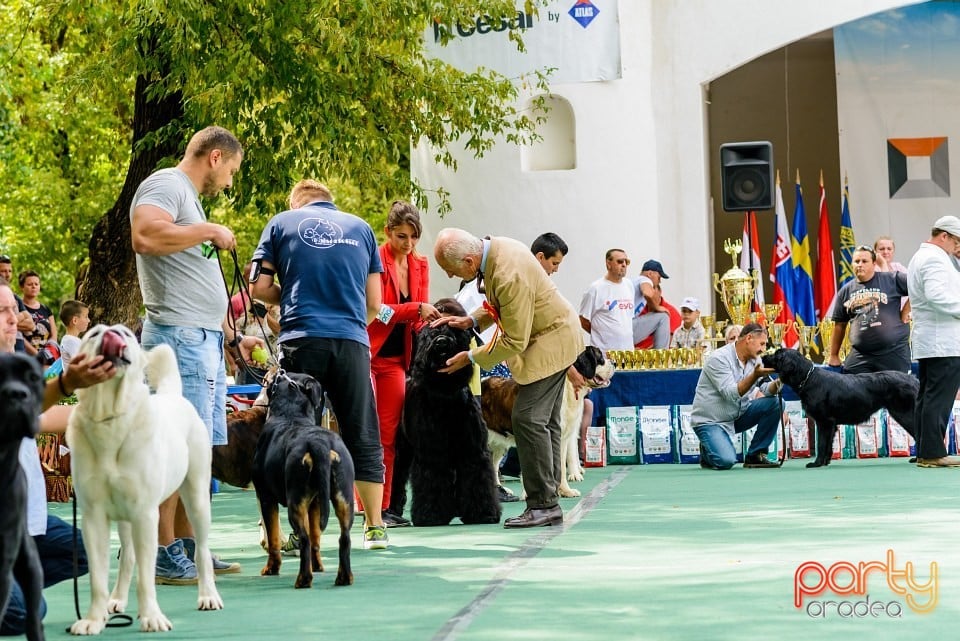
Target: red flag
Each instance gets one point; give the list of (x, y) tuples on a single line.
[(826, 282), (750, 256)]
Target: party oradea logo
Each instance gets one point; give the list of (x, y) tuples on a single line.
[(865, 589)]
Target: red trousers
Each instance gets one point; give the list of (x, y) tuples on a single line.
[(390, 387)]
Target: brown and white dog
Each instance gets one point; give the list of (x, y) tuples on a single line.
[(130, 450), (498, 395)]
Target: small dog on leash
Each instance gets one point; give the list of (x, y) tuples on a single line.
[(305, 468), (130, 450), (498, 396), (21, 398)]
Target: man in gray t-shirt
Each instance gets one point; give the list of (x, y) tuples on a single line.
[(870, 304), (186, 303)]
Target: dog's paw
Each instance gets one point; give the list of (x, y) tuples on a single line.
[(344, 578), (155, 623), (303, 581), (210, 601), (87, 626), (575, 476), (115, 605), (568, 492)]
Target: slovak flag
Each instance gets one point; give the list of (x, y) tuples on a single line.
[(750, 257), (781, 270)]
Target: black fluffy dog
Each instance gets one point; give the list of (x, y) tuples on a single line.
[(305, 468), (450, 472), (21, 398), (831, 398)]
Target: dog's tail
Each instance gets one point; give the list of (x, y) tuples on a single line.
[(163, 374), (311, 469)]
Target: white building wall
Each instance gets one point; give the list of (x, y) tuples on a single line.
[(642, 176)]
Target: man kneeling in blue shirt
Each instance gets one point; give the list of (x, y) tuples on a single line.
[(726, 402)]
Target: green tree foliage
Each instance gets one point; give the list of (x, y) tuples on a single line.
[(94, 97)]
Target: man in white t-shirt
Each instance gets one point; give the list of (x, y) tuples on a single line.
[(606, 308)]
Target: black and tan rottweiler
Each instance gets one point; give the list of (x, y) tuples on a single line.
[(305, 468), (21, 398)]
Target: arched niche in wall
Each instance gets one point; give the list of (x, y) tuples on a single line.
[(558, 147)]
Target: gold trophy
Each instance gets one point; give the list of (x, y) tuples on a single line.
[(826, 335), (808, 336), (736, 287), (776, 332), (771, 312)]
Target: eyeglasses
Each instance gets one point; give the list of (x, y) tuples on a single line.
[(5, 259)]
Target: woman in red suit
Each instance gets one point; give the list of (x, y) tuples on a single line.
[(405, 284)]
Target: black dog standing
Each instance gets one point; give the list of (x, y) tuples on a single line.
[(832, 399), (451, 474), (21, 398), (305, 468)]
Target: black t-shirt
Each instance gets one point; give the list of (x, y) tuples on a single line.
[(872, 309)]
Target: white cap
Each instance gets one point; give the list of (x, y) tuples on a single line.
[(693, 304), (949, 224)]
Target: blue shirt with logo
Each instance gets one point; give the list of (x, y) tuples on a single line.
[(322, 257)]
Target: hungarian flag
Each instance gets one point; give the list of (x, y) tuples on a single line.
[(826, 285), (802, 301), (750, 256), (847, 242), (781, 270)]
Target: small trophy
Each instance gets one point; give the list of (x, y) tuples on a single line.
[(771, 312), (808, 336), (776, 332), (826, 335), (736, 287)]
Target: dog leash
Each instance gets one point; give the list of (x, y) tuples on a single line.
[(117, 619)]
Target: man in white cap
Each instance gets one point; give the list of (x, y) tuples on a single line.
[(690, 333), (934, 284)]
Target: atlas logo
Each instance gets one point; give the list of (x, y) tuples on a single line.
[(482, 25), (583, 12)]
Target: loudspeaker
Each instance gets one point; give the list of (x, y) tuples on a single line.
[(746, 175)]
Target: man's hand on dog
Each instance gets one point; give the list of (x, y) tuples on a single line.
[(457, 322), (459, 361), (577, 380), (85, 371)]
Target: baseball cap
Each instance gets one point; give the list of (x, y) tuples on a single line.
[(690, 303), (949, 224), (655, 266)]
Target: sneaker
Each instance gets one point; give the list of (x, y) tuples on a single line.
[(758, 460), (394, 520), (291, 547), (219, 567), (703, 459), (375, 538), (173, 566), (943, 461)]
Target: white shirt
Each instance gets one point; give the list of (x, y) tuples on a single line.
[(934, 286), (36, 487), (609, 308)]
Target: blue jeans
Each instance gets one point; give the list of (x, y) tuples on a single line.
[(202, 372), (56, 556), (716, 444)]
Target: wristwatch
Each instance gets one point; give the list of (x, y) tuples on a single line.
[(235, 342)]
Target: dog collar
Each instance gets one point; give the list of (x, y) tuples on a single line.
[(800, 386)]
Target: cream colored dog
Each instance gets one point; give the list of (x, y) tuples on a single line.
[(130, 450)]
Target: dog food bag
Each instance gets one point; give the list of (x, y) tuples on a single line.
[(595, 447), (899, 442), (798, 432), (868, 437), (686, 442), (656, 434), (622, 436)]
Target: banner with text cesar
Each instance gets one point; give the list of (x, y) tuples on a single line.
[(580, 39)]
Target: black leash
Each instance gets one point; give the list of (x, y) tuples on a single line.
[(117, 619)]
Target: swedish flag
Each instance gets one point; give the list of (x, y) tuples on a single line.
[(802, 304)]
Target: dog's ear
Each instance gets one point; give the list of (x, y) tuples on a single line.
[(313, 391)]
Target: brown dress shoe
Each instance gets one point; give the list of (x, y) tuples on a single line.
[(943, 461), (536, 517)]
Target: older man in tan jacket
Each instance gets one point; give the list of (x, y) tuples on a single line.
[(538, 334)]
